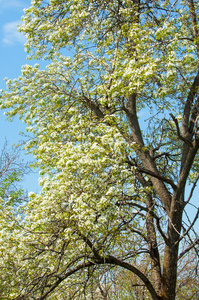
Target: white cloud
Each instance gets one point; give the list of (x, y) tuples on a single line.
[(6, 4), (11, 35)]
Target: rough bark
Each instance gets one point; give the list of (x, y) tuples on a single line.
[(152, 239)]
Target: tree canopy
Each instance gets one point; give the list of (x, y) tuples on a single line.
[(113, 122)]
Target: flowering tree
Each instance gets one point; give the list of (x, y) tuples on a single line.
[(113, 119)]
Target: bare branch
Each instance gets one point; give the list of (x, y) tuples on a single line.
[(196, 242), (192, 190), (178, 132), (152, 174), (191, 226)]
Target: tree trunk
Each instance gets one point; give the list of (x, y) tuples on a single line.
[(152, 239), (169, 277)]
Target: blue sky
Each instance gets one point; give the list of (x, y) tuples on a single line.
[(12, 57), (11, 41)]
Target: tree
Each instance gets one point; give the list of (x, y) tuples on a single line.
[(12, 170), (114, 124), (187, 287)]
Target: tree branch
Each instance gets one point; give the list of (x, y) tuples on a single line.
[(189, 248), (192, 11), (113, 260), (148, 211), (188, 105), (152, 174), (188, 229), (178, 131), (192, 189)]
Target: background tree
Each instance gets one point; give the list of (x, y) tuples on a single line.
[(12, 196), (115, 134), (12, 170)]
